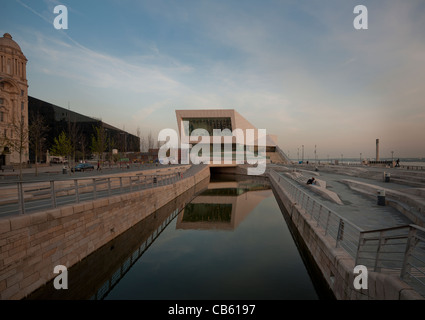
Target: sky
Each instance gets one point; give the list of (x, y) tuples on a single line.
[(297, 68)]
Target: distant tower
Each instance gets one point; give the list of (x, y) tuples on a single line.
[(377, 149), (13, 98)]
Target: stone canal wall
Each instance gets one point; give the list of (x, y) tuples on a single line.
[(32, 245), (335, 264)]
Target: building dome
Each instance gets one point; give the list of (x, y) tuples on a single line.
[(7, 41)]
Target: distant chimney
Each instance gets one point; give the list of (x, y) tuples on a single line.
[(377, 149)]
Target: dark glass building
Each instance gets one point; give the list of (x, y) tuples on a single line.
[(79, 127)]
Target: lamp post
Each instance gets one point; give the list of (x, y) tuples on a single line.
[(302, 160)]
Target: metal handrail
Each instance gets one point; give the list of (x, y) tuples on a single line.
[(32, 196), (345, 233), (396, 250)]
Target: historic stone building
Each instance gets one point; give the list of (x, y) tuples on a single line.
[(13, 103)]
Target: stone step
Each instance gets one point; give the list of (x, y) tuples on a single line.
[(409, 182)]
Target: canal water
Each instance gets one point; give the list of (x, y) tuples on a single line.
[(228, 240)]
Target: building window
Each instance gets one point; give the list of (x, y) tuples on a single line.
[(22, 106), (209, 124), (5, 133), (22, 93), (1, 101), (1, 116)]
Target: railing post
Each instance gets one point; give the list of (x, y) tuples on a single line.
[(375, 267), (109, 186), (410, 246), (94, 189), (120, 184), (77, 195), (306, 205), (21, 198), (327, 222), (340, 235), (361, 237), (312, 208), (53, 193), (318, 217)]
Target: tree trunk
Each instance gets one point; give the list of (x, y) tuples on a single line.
[(20, 165)]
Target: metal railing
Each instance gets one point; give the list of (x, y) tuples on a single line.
[(345, 233), (412, 167), (399, 251), (23, 197)]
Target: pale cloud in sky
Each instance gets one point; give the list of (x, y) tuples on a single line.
[(297, 68)]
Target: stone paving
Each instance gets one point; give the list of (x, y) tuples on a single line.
[(360, 209)]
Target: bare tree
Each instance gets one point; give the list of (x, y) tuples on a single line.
[(37, 132), (143, 144), (139, 135), (19, 140), (150, 141)]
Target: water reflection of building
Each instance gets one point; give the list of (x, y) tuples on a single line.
[(224, 205)]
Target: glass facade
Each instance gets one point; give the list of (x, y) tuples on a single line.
[(59, 119), (209, 124)]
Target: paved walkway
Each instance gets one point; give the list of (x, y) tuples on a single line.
[(55, 172), (360, 209)]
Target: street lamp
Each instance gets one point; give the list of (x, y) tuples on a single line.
[(303, 155)]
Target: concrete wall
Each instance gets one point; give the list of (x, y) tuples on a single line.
[(411, 205), (32, 245), (335, 264), (88, 276)]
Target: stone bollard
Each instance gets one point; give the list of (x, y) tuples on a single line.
[(381, 197), (387, 177)]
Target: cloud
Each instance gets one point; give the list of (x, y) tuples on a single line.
[(297, 68)]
